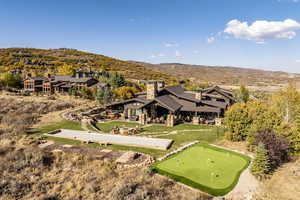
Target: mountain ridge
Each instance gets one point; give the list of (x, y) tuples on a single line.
[(224, 74)]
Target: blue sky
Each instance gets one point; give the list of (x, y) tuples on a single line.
[(261, 34)]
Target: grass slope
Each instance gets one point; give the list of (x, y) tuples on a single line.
[(205, 167), (106, 127), (45, 60)]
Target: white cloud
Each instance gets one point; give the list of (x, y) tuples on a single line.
[(177, 53), (171, 44), (153, 56), (210, 40), (196, 52), (297, 61), (260, 31), (293, 1)]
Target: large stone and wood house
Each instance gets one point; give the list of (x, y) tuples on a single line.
[(61, 83), (172, 104)]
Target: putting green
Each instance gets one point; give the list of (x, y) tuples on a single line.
[(208, 168)]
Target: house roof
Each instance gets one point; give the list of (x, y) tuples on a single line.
[(200, 109), (221, 91), (141, 100), (68, 78), (167, 102), (178, 99), (179, 91), (37, 78), (218, 104)]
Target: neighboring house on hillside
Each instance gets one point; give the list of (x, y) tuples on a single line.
[(172, 103), (34, 84), (61, 83)]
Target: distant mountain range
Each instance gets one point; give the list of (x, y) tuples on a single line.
[(43, 60), (223, 75)]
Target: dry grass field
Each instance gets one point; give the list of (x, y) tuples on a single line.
[(29, 172)]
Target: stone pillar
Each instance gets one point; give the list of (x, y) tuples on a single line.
[(198, 95), (218, 122), (143, 119), (196, 120), (170, 120), (151, 90), (129, 113)]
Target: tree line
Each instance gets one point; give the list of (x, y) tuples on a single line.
[(270, 126)]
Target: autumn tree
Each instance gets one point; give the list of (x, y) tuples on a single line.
[(125, 92), (287, 103), (66, 70), (243, 120), (86, 93)]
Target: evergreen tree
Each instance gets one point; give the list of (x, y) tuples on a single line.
[(8, 79), (104, 95), (243, 94), (117, 80), (295, 136), (260, 164)]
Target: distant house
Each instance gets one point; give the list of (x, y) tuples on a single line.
[(61, 83), (172, 103), (34, 84)]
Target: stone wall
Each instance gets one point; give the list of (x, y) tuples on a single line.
[(178, 150)]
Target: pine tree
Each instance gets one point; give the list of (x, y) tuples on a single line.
[(104, 95), (260, 164), (243, 94), (295, 136)]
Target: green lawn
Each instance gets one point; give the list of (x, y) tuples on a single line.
[(106, 127), (205, 134), (163, 128), (63, 124), (205, 167)]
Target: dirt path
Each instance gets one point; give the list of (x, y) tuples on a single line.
[(245, 188)]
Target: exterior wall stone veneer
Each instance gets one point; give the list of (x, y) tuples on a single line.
[(196, 120), (170, 120)]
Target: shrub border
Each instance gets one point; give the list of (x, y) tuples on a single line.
[(186, 181)]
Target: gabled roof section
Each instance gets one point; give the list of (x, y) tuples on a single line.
[(178, 91), (217, 104), (167, 101), (221, 91), (37, 78), (140, 100), (69, 78)]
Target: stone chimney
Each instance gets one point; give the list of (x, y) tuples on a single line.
[(199, 95), (151, 90), (77, 74)]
